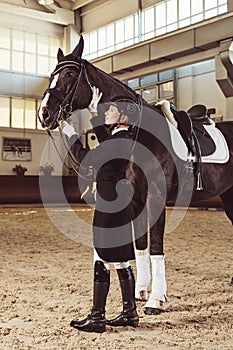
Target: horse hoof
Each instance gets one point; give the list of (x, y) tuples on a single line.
[(152, 311)]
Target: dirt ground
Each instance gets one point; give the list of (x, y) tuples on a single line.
[(46, 281)]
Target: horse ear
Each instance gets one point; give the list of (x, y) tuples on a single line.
[(60, 55), (79, 48)]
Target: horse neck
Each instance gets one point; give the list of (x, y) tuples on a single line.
[(110, 87), (155, 133)]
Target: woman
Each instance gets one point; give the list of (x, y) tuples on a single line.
[(111, 224)]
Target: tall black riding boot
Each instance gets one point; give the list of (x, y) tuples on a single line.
[(128, 316), (95, 321)]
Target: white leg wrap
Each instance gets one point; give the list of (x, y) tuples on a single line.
[(143, 274), (159, 285)]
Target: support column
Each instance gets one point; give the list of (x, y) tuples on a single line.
[(71, 38), (224, 74)]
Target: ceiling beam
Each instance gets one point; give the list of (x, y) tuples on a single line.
[(59, 16), (80, 3)]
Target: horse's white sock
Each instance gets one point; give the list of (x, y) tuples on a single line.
[(159, 285), (143, 274)]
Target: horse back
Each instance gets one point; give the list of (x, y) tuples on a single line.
[(226, 128)]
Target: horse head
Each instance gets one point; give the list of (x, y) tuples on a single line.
[(62, 96)]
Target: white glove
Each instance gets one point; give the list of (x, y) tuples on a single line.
[(95, 100), (68, 129)]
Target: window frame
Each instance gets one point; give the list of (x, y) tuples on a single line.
[(141, 30), (35, 125)]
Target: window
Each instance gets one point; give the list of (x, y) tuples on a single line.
[(150, 94), (171, 15), (149, 79), (19, 113), (160, 18), (30, 53), (27, 52), (29, 114), (165, 16), (5, 38), (38, 124), (102, 41), (134, 83), (114, 36), (149, 23), (166, 90), (120, 34), (4, 111), (155, 87), (5, 44), (110, 38), (5, 59)]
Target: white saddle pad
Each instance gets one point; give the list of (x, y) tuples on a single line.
[(221, 154)]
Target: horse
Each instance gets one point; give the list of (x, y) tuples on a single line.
[(158, 175)]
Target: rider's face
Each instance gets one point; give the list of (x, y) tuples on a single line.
[(112, 115)]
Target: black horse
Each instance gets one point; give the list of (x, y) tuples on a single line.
[(157, 174)]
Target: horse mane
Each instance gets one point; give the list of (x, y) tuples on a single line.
[(119, 84), (133, 96)]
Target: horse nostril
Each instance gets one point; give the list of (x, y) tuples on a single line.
[(45, 112)]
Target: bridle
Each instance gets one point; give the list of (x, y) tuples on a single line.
[(66, 105)]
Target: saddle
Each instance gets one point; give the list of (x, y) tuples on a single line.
[(199, 115), (191, 125)]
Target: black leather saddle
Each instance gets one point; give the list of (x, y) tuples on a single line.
[(199, 115), (191, 127)]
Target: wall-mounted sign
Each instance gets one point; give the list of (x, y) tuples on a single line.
[(16, 149)]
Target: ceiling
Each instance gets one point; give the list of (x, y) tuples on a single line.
[(49, 4), (65, 4), (55, 11)]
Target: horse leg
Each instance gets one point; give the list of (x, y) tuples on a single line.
[(155, 303), (228, 203), (143, 273), (141, 252)]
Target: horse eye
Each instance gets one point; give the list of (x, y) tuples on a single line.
[(69, 74)]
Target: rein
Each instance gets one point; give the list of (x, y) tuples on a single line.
[(70, 154)]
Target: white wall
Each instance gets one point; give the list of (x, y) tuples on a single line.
[(200, 89)]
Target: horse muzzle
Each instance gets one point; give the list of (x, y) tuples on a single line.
[(47, 120)]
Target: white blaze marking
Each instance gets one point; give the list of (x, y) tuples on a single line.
[(46, 98)]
